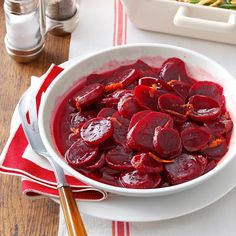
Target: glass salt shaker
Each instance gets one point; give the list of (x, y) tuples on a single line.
[(25, 25)]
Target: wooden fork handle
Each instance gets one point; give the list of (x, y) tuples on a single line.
[(73, 219)]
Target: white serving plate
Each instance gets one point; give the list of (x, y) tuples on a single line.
[(130, 209), (169, 16), (161, 207)]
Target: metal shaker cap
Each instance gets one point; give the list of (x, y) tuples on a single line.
[(20, 6)]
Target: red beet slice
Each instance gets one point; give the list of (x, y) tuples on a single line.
[(105, 175), (207, 88), (121, 79), (144, 163), (73, 137), (141, 65), (181, 88), (203, 108), (80, 154), (136, 117), (96, 131), (107, 145), (174, 106), (139, 180), (174, 69), (146, 97), (140, 137), (119, 159), (194, 139), (95, 78), (88, 95), (160, 85), (120, 125), (220, 125), (185, 167), (167, 142), (127, 106), (79, 118), (216, 149), (145, 70), (106, 112), (210, 165), (112, 99), (148, 81), (97, 162), (181, 126)]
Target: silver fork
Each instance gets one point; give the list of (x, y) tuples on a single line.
[(73, 219)]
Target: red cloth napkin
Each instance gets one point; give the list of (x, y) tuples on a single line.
[(38, 179)]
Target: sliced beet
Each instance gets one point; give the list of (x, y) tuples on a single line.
[(144, 163), (139, 180), (220, 125), (181, 126), (107, 145), (194, 138), (73, 137), (136, 117), (174, 69), (185, 167), (121, 79), (158, 83), (174, 106), (96, 130), (111, 100), (146, 97), (127, 106), (145, 70), (181, 88), (210, 165), (203, 108), (106, 175), (80, 154), (167, 142), (88, 95), (106, 112), (119, 159), (95, 78), (120, 125), (98, 162), (79, 118), (148, 81), (207, 88), (140, 137), (216, 149)]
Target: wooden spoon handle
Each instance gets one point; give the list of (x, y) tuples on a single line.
[(73, 219)]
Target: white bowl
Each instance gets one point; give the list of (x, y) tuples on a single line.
[(198, 66)]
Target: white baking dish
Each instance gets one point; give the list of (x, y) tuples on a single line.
[(185, 19)]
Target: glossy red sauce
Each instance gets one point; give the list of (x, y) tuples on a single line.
[(143, 127)]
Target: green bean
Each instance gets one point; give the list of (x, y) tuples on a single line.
[(228, 6)]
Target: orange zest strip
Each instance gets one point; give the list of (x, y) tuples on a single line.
[(159, 159), (113, 87), (77, 104), (153, 90), (190, 109), (75, 130), (215, 143), (171, 82), (227, 115)]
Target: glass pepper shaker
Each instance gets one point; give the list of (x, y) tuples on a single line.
[(25, 26), (62, 16)]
